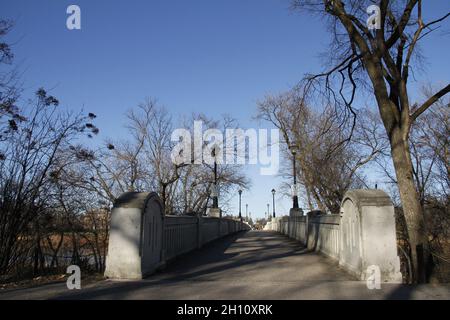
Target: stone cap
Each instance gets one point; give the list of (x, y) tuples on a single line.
[(326, 219), (137, 200), (296, 212), (314, 213), (368, 197)]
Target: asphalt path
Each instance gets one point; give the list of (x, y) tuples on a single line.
[(247, 265)]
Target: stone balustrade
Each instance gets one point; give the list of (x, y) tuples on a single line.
[(361, 236), (142, 239)]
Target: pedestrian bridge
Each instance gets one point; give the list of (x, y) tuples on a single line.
[(256, 265), (362, 238), (312, 256)]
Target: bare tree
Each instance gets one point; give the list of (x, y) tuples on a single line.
[(10, 114), (198, 179), (429, 142), (26, 171), (384, 57), (327, 167), (154, 125), (143, 162)]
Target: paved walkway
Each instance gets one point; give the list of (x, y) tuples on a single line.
[(252, 265)]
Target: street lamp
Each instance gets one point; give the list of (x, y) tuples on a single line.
[(273, 199), (240, 214), (294, 149), (215, 193)]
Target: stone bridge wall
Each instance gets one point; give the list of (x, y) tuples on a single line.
[(361, 236), (143, 239)]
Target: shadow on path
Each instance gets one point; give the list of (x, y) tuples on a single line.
[(246, 265), (216, 261)]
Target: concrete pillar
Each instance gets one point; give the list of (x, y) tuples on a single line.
[(136, 236), (214, 212), (368, 235), (295, 212)]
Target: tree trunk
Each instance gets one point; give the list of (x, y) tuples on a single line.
[(412, 210)]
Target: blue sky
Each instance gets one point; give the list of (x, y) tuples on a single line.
[(209, 56)]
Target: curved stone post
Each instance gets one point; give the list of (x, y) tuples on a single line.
[(368, 235), (135, 236)]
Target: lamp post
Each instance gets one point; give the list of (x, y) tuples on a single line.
[(273, 200), (240, 214), (215, 194), (294, 149)]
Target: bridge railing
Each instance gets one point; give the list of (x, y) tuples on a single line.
[(323, 234), (186, 233), (143, 239), (180, 235), (362, 237)]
